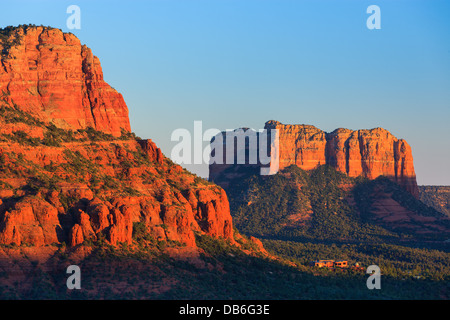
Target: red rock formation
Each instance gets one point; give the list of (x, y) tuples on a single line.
[(152, 151), (50, 74), (302, 145), (81, 186), (169, 212), (367, 153), (31, 221), (76, 235)]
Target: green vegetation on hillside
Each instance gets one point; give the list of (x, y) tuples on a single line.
[(323, 214), (220, 272), (437, 197), (321, 204)]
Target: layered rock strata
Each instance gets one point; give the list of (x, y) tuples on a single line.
[(368, 153)]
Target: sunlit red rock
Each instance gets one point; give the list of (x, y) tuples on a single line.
[(80, 190), (51, 75), (367, 153)]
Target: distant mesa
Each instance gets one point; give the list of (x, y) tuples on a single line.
[(367, 153)]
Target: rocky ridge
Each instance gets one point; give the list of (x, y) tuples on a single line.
[(367, 153), (70, 170)]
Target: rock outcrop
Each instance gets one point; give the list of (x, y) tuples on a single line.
[(49, 74), (78, 192), (70, 170), (368, 153)]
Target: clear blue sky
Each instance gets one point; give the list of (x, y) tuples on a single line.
[(235, 63)]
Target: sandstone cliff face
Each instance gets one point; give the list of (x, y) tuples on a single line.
[(50, 74), (84, 191), (96, 181), (372, 153), (368, 153)]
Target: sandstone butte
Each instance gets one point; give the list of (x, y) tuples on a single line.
[(367, 153), (71, 171), (49, 74)]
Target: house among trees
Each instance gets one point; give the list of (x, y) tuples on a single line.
[(341, 264), (329, 263)]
